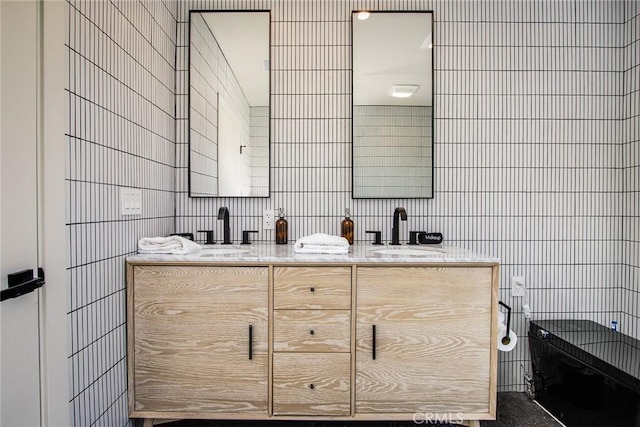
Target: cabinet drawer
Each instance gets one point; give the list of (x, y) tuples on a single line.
[(311, 384), (312, 288), (312, 330)]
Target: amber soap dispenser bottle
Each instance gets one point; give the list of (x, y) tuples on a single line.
[(282, 229), (347, 226)]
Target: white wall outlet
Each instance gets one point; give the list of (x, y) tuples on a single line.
[(517, 286), (267, 219)]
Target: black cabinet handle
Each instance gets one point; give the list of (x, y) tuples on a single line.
[(250, 342), (312, 332), (373, 345), (311, 386)]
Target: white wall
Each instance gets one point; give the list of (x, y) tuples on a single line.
[(259, 150), (234, 131), (57, 382), (121, 94), (20, 343), (205, 59), (630, 280), (392, 150)]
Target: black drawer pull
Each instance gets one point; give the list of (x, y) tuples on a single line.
[(312, 386), (312, 332), (250, 342), (373, 342), (312, 289)]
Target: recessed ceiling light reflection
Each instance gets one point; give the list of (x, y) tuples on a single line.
[(403, 91)]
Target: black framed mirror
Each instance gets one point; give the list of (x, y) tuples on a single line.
[(229, 105), (392, 110)]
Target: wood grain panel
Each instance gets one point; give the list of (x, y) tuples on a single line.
[(433, 339), (199, 382), (191, 342), (295, 373), (312, 330), (312, 288)]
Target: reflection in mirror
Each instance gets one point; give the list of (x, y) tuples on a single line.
[(229, 104), (392, 105)]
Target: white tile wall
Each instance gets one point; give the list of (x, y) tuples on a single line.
[(121, 134), (205, 59), (400, 166), (536, 154), (630, 283), (259, 150)]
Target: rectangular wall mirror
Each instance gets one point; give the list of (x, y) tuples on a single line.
[(392, 104), (229, 103)]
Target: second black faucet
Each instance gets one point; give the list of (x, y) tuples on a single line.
[(223, 214), (398, 214)]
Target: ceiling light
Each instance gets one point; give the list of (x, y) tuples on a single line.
[(403, 91), (363, 15)]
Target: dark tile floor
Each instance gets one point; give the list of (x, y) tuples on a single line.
[(519, 410), (514, 410)]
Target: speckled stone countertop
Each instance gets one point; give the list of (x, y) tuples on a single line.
[(270, 253)]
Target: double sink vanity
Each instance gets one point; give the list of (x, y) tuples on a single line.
[(260, 332)]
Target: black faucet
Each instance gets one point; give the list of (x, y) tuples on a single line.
[(398, 214), (223, 214)]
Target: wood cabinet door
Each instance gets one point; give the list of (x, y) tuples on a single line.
[(432, 340), (200, 339)]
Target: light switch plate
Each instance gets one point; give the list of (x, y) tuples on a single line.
[(130, 201)]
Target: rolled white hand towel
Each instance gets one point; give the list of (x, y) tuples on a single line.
[(174, 245), (321, 243)]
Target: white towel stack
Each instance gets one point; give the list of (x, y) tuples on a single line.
[(175, 245), (321, 243)]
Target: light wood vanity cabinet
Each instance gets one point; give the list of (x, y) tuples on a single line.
[(198, 340), (312, 341)]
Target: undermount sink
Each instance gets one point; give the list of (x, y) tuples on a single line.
[(404, 251), (217, 251)]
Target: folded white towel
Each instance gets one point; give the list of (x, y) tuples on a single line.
[(175, 245), (321, 243)]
